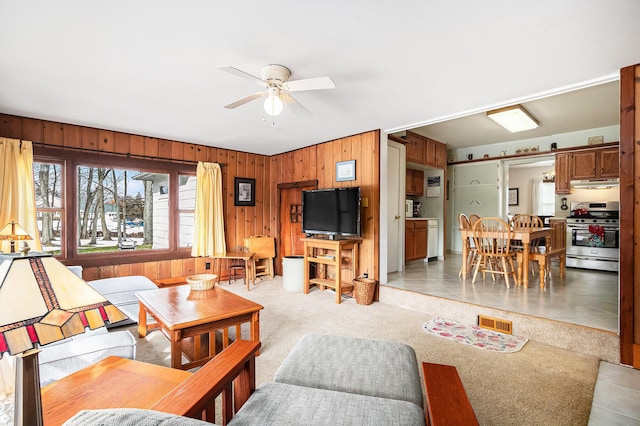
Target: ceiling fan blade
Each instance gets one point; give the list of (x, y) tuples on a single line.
[(309, 84), (245, 100), (242, 74), (297, 107)]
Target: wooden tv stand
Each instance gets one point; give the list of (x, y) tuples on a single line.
[(321, 251)]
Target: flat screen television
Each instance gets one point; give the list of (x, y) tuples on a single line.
[(334, 212)]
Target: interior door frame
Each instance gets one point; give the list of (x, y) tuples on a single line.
[(279, 245), (401, 190)]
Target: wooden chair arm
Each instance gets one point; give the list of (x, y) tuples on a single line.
[(231, 370)]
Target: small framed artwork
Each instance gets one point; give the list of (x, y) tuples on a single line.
[(513, 196), (346, 170), (596, 140), (245, 193)]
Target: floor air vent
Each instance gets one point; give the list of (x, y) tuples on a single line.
[(495, 324)]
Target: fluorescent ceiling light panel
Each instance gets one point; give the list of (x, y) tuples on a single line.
[(513, 118)]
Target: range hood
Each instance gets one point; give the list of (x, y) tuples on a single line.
[(595, 183)]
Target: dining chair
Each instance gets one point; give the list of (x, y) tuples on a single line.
[(492, 237), (235, 266), (473, 218), (527, 221), (472, 255)]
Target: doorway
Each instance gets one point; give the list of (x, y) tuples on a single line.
[(290, 220), (396, 157)]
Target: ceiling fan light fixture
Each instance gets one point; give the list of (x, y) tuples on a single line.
[(273, 104), (513, 118)]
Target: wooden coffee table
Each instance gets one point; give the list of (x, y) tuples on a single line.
[(113, 382), (185, 315)]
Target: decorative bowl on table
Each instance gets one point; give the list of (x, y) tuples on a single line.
[(202, 281)]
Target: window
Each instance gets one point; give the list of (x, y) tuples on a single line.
[(544, 198), (112, 204), (48, 180)]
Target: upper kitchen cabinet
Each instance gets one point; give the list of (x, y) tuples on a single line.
[(415, 148), (422, 150), (599, 163), (563, 175), (415, 182), (595, 164)]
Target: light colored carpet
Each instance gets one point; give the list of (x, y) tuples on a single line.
[(539, 385)]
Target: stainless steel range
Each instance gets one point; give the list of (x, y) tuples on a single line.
[(593, 235)]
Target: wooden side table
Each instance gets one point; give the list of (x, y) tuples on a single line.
[(113, 382), (327, 252)]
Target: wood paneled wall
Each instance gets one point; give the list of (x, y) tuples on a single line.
[(318, 162), (311, 163), (239, 221)]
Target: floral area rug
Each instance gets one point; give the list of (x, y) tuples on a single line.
[(474, 335)]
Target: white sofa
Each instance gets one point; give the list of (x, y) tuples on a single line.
[(62, 358)]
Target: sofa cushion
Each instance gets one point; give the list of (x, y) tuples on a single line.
[(283, 404), (120, 291), (347, 364), (130, 417)]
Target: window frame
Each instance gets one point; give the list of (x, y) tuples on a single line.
[(71, 159)]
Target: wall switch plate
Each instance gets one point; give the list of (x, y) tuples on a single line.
[(364, 202), (207, 265)]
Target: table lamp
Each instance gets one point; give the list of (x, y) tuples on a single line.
[(41, 301), (14, 232)]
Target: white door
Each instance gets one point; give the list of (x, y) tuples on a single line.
[(395, 208)]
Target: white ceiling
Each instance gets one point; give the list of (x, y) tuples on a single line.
[(150, 67)]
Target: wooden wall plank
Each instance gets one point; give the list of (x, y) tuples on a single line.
[(72, 136), (106, 141), (202, 153), (89, 138), (188, 152), (151, 147), (121, 143), (32, 130), (177, 150), (136, 145), (10, 126), (164, 148)]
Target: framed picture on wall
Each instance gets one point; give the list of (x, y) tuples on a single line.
[(513, 196), (245, 192), (345, 170)]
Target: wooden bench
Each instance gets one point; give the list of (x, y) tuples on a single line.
[(544, 262), (447, 401)]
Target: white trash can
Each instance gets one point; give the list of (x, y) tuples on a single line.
[(293, 273)]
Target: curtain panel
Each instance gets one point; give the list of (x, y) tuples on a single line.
[(208, 238), (17, 192)]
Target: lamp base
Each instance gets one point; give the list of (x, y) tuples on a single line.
[(28, 401)]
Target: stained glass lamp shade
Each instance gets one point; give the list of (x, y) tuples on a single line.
[(41, 301)]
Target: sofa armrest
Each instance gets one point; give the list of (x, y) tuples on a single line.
[(230, 372)]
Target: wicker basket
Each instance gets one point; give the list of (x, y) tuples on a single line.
[(363, 290), (202, 281)]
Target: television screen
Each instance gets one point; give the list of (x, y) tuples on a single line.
[(334, 211)]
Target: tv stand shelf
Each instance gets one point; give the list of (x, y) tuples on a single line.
[(330, 254)]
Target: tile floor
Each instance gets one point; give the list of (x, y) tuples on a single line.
[(583, 297)]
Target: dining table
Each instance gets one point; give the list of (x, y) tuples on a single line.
[(525, 235)]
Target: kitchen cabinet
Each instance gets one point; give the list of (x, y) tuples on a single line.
[(595, 164), (558, 233), (415, 241), (422, 150), (415, 182), (562, 174), (599, 163), (415, 148)]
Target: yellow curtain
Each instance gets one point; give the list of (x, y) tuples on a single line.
[(17, 193), (208, 232)]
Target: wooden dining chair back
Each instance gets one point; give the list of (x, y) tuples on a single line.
[(492, 237), (237, 267), (473, 218), (472, 252), (527, 221)]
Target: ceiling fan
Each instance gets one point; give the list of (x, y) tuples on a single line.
[(275, 78)]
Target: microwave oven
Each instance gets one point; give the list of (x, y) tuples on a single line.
[(408, 208)]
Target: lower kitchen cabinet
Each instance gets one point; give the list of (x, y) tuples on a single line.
[(415, 240)]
